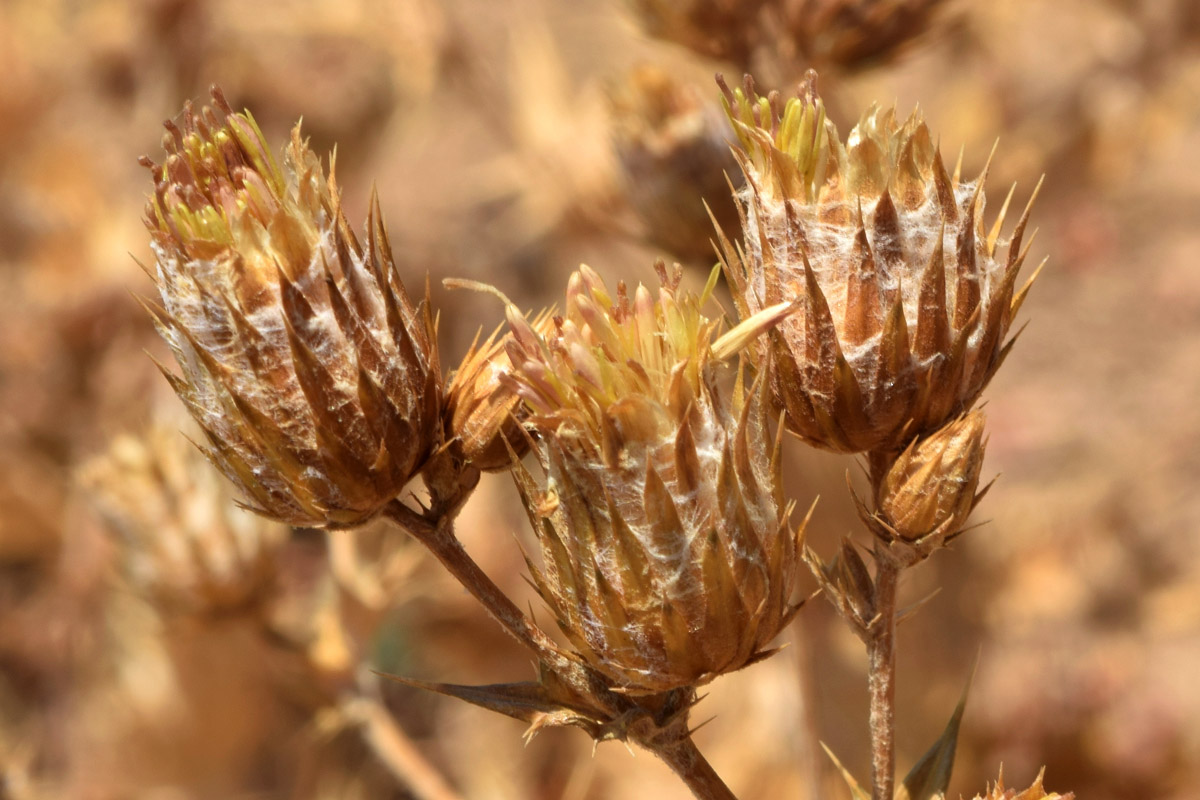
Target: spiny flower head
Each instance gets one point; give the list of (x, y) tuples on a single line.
[(313, 375), (907, 303), (666, 553)]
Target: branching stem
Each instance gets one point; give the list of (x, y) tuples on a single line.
[(440, 540)]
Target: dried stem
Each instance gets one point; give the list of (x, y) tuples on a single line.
[(881, 651), (440, 540), (686, 761), (396, 751)]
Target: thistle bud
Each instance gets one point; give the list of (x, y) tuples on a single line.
[(928, 493), (667, 556), (907, 302), (313, 375), (483, 412)]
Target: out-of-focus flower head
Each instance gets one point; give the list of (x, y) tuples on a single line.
[(666, 553), (182, 540), (854, 33), (779, 35), (312, 373), (673, 147), (726, 29), (907, 302)]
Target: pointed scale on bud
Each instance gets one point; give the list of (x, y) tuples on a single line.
[(313, 375), (666, 552), (906, 302), (482, 411)]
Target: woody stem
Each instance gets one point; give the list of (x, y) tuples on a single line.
[(881, 652), (686, 761), (440, 540)]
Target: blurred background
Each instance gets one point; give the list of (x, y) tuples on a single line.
[(157, 643)]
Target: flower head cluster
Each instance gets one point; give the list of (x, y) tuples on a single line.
[(667, 557), (312, 373), (907, 302)]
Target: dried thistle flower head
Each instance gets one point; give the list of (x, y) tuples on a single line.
[(314, 376), (907, 302), (482, 410), (182, 540), (667, 556)]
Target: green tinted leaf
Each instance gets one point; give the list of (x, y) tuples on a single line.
[(930, 776)]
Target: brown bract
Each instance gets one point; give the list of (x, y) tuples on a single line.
[(313, 374), (666, 553), (906, 300)]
